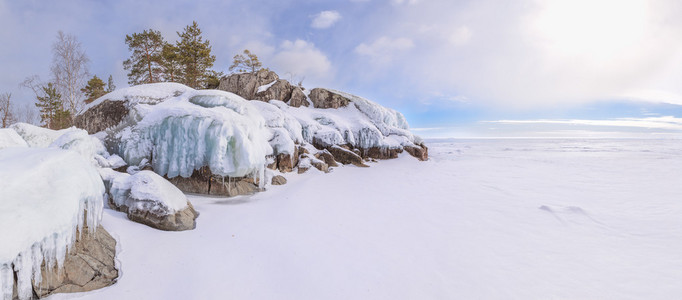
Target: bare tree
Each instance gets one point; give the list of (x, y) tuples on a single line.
[(28, 114), (69, 70), (6, 110)]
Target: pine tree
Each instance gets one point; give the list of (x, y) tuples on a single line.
[(171, 63), (213, 79), (195, 56), (52, 112), (94, 89), (110, 84), (145, 62), (246, 63)]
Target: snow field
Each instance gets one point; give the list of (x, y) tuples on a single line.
[(482, 219)]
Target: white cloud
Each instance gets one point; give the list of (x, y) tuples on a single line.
[(410, 2), (667, 122), (304, 60), (460, 36), (383, 49), (325, 19)]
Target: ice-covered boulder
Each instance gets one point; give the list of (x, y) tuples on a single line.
[(149, 199), (112, 108), (47, 196)]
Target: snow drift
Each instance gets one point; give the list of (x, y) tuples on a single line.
[(45, 195)]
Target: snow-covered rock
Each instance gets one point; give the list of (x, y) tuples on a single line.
[(46, 197), (149, 199), (199, 138), (10, 138)]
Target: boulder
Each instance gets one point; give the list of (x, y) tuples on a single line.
[(90, 265), (179, 221), (203, 181), (298, 98), (149, 199), (280, 90), (323, 98), (278, 180), (345, 156), (246, 84), (106, 114), (421, 152), (381, 153), (263, 85), (230, 187), (327, 157)]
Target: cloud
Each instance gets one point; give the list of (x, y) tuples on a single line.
[(325, 19), (460, 36), (302, 59), (383, 49), (667, 122)]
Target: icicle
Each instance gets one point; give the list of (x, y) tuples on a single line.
[(6, 281), (23, 267)]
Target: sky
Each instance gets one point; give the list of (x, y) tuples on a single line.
[(452, 67)]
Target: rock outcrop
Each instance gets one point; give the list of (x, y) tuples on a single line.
[(101, 116), (90, 265), (203, 181), (263, 85), (323, 98), (346, 156)]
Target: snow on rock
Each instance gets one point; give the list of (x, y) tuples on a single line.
[(44, 194), (74, 139), (152, 93), (149, 199), (38, 136), (10, 138), (264, 88), (195, 129)]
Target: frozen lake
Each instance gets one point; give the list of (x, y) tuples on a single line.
[(491, 219)]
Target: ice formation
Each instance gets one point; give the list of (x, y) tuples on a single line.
[(191, 129), (45, 195), (10, 138), (179, 130), (144, 191)]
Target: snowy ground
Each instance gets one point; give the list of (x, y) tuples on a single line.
[(492, 219)]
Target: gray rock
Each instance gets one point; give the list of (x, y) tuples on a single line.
[(421, 152), (298, 98), (246, 84), (323, 98), (278, 180), (88, 266), (346, 156), (102, 116), (327, 157), (179, 221)]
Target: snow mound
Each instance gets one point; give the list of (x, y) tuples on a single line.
[(74, 139), (44, 194), (144, 191), (38, 136), (10, 138), (194, 129)]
